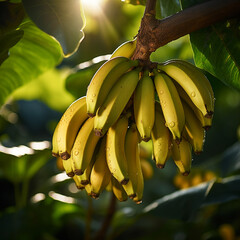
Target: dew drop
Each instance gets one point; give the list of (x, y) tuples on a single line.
[(94, 95), (193, 94), (171, 124), (76, 153), (161, 91)]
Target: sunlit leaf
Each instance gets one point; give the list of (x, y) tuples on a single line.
[(35, 53), (7, 41), (77, 83), (165, 8), (63, 19), (135, 2), (217, 50)]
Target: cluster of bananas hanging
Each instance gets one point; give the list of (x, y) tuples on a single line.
[(98, 136)]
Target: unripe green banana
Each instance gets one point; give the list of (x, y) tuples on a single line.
[(171, 104), (104, 79), (69, 125), (115, 102), (84, 146), (182, 156), (115, 152), (126, 49), (193, 82), (100, 174), (161, 139), (194, 131), (144, 106)]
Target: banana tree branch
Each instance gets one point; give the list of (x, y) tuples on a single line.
[(155, 33)]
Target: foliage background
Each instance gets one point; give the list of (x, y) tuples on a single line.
[(37, 85)]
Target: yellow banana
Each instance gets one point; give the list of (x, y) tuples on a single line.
[(126, 49), (147, 169), (100, 174), (115, 152), (55, 149), (182, 156), (84, 146), (118, 190), (171, 104), (161, 140), (69, 125), (144, 106), (194, 131), (102, 82), (193, 81), (78, 182), (205, 121), (134, 168), (115, 102), (67, 165)]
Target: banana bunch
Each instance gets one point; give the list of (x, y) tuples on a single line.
[(98, 137)]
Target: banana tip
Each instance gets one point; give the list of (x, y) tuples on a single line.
[(186, 173), (94, 195), (161, 166), (65, 155), (91, 115), (55, 154), (98, 132), (70, 174), (146, 139), (78, 172), (124, 181), (207, 127), (132, 196), (138, 201), (84, 182)]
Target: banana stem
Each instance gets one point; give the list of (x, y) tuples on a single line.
[(155, 33), (107, 221)]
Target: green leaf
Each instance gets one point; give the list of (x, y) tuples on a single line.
[(78, 82), (62, 19), (7, 41), (217, 50), (165, 8), (35, 53), (135, 2), (183, 204)]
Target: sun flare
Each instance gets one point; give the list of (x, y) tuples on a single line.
[(92, 6)]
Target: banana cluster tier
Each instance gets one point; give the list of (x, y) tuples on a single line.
[(98, 136)]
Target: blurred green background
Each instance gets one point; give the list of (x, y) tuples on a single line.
[(38, 200)]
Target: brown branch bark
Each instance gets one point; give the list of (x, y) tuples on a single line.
[(155, 33)]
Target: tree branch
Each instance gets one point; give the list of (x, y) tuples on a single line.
[(155, 33)]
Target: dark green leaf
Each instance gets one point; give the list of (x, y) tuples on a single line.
[(217, 49), (180, 204), (135, 2), (7, 41), (11, 15), (63, 19), (165, 8), (77, 83), (35, 53)]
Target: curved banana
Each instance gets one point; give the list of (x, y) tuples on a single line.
[(182, 156), (84, 146), (67, 165), (134, 168), (69, 125), (104, 80), (100, 174), (55, 149), (194, 131), (193, 81), (147, 169), (161, 140), (171, 104), (118, 190), (126, 49), (144, 106), (78, 182), (205, 121), (115, 152), (115, 102)]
